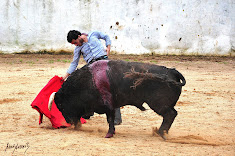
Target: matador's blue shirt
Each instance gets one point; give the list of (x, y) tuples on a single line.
[(92, 49)]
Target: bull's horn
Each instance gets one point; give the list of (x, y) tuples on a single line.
[(51, 99)]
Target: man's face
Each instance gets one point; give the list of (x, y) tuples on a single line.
[(78, 42)]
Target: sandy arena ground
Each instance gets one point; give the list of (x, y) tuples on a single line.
[(205, 124)]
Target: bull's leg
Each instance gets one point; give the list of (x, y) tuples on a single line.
[(77, 123), (88, 115), (110, 118), (168, 118)]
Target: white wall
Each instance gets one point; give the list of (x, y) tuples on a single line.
[(135, 26)]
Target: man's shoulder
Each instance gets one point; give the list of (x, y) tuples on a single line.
[(94, 33)]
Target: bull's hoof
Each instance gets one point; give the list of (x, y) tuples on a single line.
[(155, 131), (78, 125), (161, 135), (109, 135)]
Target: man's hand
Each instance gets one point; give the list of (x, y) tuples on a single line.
[(108, 50), (65, 77)]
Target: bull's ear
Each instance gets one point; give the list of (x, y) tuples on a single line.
[(51, 99)]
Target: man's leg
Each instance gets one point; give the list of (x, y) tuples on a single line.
[(118, 117)]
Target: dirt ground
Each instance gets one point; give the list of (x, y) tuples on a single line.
[(205, 124)]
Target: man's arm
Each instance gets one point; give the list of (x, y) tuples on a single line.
[(105, 37), (65, 76), (74, 63), (108, 49)]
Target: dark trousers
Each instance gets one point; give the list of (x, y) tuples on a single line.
[(118, 117)]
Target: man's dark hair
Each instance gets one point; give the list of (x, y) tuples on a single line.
[(72, 34)]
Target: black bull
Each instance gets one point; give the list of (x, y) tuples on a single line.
[(107, 84)]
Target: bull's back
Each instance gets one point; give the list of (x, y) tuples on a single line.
[(133, 90)]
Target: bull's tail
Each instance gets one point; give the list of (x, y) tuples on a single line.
[(180, 76)]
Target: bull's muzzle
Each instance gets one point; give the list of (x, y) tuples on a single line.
[(51, 99)]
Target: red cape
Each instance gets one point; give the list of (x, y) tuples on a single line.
[(40, 103)]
